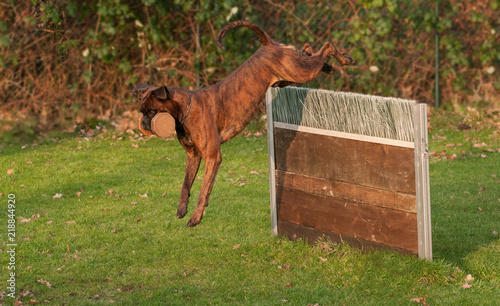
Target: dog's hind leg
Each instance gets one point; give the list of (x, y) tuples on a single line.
[(308, 50), (192, 165), (329, 49)]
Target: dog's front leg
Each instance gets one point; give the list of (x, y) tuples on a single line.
[(192, 165), (211, 167)]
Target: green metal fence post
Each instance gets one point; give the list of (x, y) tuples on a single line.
[(436, 101)]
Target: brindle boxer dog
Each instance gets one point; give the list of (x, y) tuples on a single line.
[(207, 117)]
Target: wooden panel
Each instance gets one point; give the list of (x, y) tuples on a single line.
[(311, 235), (346, 191), (377, 224), (346, 160)]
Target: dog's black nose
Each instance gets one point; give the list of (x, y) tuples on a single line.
[(146, 123)]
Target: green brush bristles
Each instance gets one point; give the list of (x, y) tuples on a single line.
[(344, 112)]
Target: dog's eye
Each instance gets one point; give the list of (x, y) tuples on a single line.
[(151, 113)]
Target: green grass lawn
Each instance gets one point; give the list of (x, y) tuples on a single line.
[(87, 234)]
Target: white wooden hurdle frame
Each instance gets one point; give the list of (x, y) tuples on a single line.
[(420, 146)]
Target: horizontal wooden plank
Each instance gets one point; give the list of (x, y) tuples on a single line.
[(345, 160), (377, 224), (311, 235), (347, 191), (388, 141)]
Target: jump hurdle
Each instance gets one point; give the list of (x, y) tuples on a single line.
[(351, 167)]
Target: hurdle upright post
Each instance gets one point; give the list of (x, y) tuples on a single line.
[(422, 182), (272, 162)]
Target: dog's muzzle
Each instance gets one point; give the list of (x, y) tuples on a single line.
[(162, 125)]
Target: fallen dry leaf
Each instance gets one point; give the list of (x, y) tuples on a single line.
[(133, 203), (494, 233), (323, 259), (466, 286), (57, 196), (143, 195), (419, 300), (478, 155), (284, 267), (78, 194), (59, 269), (10, 171), (24, 220), (437, 136), (70, 222), (464, 127), (254, 172), (46, 283), (236, 246), (243, 182), (469, 278)]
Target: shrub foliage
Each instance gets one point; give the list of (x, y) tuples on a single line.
[(74, 60)]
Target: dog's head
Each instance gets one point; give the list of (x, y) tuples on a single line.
[(153, 101)]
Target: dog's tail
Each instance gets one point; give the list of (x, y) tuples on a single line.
[(264, 38)]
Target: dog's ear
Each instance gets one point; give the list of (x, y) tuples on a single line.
[(141, 87), (161, 93)]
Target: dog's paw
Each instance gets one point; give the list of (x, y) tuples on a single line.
[(347, 59), (181, 212), (192, 222)]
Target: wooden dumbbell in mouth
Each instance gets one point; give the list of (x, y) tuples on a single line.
[(162, 125)]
